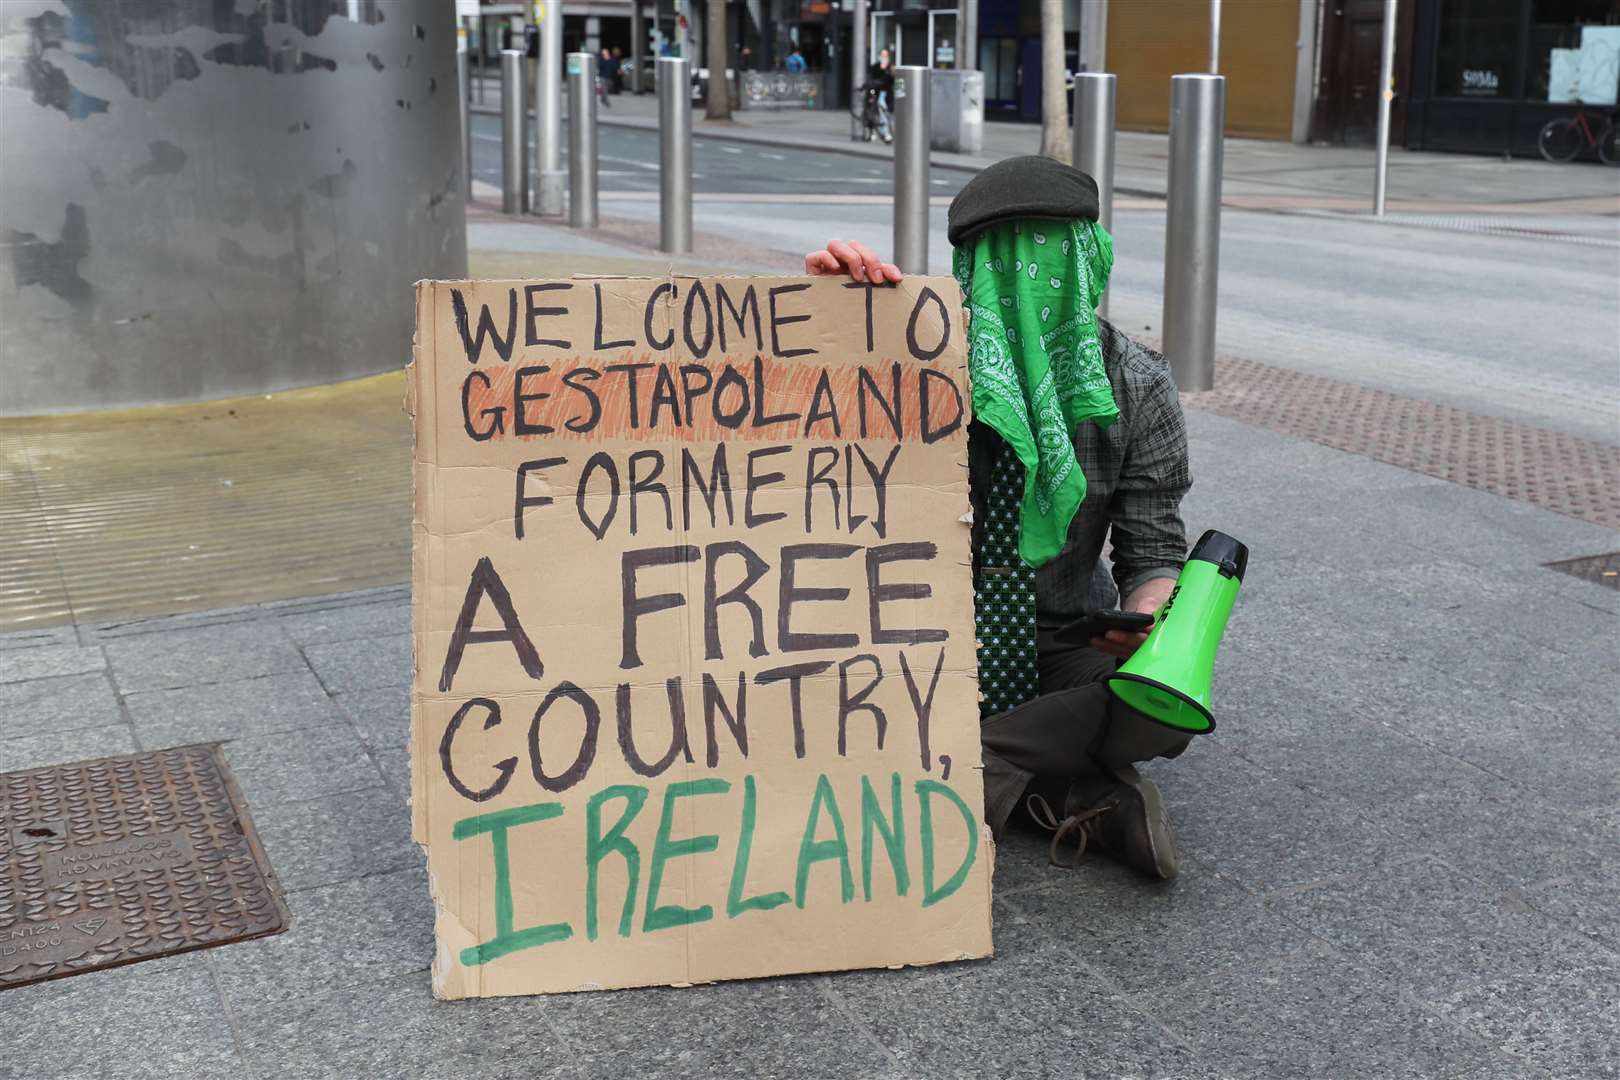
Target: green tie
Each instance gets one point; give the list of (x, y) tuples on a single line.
[(1004, 602)]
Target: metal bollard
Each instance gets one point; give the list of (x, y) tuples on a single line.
[(674, 155), (582, 140), (464, 92), (1094, 145), (514, 135), (548, 112), (911, 139), (1192, 242), (1386, 94)]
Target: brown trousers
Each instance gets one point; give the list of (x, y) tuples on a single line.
[(1075, 729)]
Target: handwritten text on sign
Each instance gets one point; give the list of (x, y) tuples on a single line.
[(695, 690)]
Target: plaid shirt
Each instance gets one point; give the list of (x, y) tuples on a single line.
[(1136, 473)]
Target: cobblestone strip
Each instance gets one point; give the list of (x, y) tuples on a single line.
[(1576, 477)]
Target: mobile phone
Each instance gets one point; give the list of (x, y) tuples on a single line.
[(1094, 624)]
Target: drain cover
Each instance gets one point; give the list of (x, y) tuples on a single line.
[(1603, 569), (126, 858)]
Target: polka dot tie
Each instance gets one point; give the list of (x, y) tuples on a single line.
[(1004, 600)]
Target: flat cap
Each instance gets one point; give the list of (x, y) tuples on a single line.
[(1019, 187)]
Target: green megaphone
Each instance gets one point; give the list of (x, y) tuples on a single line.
[(1168, 678)]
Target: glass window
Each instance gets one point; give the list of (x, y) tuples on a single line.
[(1574, 51), (1478, 48)]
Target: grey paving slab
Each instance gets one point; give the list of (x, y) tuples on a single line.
[(201, 654), (45, 661), (1065, 1019), (1434, 930), (343, 937), (1146, 935), (241, 708), (60, 747), (1563, 758), (381, 716), (395, 764), (304, 764), (764, 1027), (34, 639), (1307, 1012), (102, 632), (1023, 863), (1231, 459), (161, 1019), (337, 837), (362, 616), (362, 664), (1339, 753), (1264, 833), (60, 703), (335, 1034), (1565, 1021), (1495, 533), (1512, 840)]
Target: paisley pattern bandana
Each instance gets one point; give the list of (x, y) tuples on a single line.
[(1036, 364)]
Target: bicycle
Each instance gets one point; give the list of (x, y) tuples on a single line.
[(872, 118), (1563, 140)]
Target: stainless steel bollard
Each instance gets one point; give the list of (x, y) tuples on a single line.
[(582, 140), (1094, 144), (1386, 95), (858, 53), (464, 91), (514, 135), (911, 139), (674, 155), (548, 113), (1192, 242)]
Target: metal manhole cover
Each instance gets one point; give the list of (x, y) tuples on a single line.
[(1603, 569), (126, 858)]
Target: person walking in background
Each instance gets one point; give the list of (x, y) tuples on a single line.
[(607, 69), (881, 75), (795, 63)]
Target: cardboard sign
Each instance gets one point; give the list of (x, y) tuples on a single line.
[(696, 694)]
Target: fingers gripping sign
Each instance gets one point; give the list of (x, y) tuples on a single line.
[(853, 258)]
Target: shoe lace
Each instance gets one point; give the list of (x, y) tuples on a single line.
[(1083, 827)]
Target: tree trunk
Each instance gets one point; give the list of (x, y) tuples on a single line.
[(719, 103), (1055, 141)]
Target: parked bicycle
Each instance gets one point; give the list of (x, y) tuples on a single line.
[(1564, 140), (873, 117)]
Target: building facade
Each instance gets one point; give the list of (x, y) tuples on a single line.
[(1470, 75), (1488, 74)]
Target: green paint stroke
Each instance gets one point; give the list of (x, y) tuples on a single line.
[(893, 831), (599, 847), (506, 939), (664, 849), (812, 851), (735, 903), (925, 825)]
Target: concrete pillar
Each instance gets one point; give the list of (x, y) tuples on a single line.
[(214, 202)]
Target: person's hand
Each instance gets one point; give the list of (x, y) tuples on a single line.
[(1149, 598), (853, 258)]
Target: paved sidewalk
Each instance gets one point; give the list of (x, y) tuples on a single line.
[(1399, 847), (1258, 174)]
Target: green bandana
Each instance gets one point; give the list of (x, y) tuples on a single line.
[(1034, 358)]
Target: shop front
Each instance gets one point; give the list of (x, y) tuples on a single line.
[(1488, 74)]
